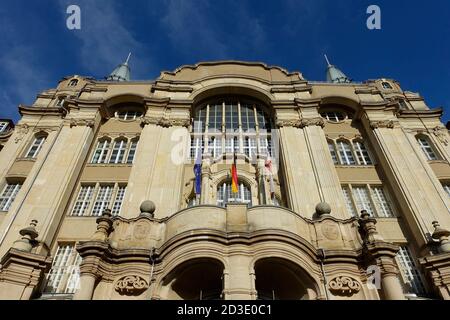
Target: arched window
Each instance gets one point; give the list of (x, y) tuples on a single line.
[(240, 125), (426, 147), (386, 85), (361, 153), (73, 83), (333, 152), (225, 194), (345, 152), (101, 151), (129, 115), (132, 151), (118, 152), (35, 147)]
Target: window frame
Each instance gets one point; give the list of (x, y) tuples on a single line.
[(225, 186), (430, 146), (230, 120), (375, 209), (89, 209), (8, 200), (410, 274), (129, 115), (73, 83), (39, 146), (3, 126)]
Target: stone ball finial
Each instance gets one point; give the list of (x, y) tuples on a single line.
[(323, 208), (148, 208), (29, 234)]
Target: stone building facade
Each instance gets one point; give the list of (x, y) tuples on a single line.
[(343, 189)]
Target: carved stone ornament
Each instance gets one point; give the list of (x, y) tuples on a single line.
[(330, 231), (289, 123), (21, 130), (81, 122), (131, 285), (440, 133), (165, 122), (312, 122), (382, 124), (344, 286)]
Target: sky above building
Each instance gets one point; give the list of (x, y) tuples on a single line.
[(37, 48)]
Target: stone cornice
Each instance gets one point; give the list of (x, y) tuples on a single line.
[(301, 123), (79, 122), (308, 103), (416, 114), (48, 111)]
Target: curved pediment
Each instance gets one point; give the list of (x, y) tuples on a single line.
[(207, 70)]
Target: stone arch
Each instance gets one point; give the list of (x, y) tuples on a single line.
[(300, 261), (194, 273), (116, 102), (343, 101), (231, 89)]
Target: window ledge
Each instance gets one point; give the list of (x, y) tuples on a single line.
[(109, 165), (354, 166), (26, 159), (437, 161)]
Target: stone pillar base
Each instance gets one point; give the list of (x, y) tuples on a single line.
[(20, 274)]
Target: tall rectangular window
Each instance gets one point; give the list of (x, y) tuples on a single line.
[(36, 146), (8, 195), (426, 148), (118, 152), (64, 275), (371, 198), (362, 153), (333, 152), (381, 202), (101, 152), (132, 151), (103, 199), (412, 279), (348, 201), (83, 201), (345, 151), (197, 147), (120, 195)]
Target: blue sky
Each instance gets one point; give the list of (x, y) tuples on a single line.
[(37, 49)]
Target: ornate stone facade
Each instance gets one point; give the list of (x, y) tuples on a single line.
[(83, 175)]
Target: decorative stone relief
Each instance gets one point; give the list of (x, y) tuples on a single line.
[(81, 122), (312, 122), (344, 286), (141, 230), (288, 123), (382, 124), (21, 130), (439, 132), (131, 285), (165, 122), (330, 231)]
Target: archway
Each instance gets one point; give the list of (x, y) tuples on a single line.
[(198, 279), (280, 279)]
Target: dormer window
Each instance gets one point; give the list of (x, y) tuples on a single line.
[(386, 85), (334, 116), (73, 83), (128, 115)]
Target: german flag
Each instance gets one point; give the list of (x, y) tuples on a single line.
[(234, 176)]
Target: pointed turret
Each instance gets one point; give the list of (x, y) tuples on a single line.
[(121, 73), (334, 74)]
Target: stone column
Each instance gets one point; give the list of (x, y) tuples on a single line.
[(91, 252), (238, 284), (50, 183), (327, 180), (420, 195), (382, 254), (205, 197), (263, 193)]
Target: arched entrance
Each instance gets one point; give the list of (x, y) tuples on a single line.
[(280, 279), (198, 279)]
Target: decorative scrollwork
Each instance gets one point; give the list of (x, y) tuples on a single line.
[(165, 122), (382, 124), (345, 286), (131, 285), (441, 134)]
